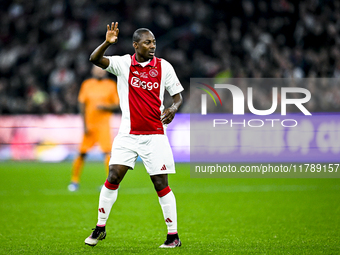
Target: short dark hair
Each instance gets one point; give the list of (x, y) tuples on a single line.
[(136, 37)]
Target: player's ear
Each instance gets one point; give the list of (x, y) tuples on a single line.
[(135, 45)]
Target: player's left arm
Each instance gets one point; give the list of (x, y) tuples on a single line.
[(169, 113)]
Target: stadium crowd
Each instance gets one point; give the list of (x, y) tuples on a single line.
[(45, 44)]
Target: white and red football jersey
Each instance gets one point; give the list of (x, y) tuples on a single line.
[(141, 92)]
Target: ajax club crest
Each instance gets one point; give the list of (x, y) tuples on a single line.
[(153, 73)]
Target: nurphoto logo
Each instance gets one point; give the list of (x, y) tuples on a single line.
[(238, 99)]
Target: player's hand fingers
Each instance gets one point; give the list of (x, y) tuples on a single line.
[(164, 121), (167, 121), (167, 118), (116, 26), (164, 115)]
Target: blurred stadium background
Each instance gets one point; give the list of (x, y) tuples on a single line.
[(45, 46), (44, 51)]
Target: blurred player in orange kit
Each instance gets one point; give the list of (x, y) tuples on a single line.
[(97, 100)]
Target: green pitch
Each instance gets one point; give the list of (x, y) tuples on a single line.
[(215, 216)]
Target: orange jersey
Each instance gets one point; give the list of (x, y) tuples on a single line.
[(94, 92)]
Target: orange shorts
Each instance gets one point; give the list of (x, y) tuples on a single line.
[(98, 135)]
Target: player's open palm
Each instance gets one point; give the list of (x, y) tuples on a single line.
[(112, 33)]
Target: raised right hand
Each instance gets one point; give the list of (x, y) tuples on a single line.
[(112, 33)]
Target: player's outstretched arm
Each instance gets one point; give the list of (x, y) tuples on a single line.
[(169, 113), (97, 56)]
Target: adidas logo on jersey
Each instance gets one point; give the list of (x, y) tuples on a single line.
[(163, 167), (136, 72)]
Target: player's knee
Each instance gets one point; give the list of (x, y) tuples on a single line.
[(159, 184), (113, 176)]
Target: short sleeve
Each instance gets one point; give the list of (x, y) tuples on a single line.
[(115, 66), (172, 84)]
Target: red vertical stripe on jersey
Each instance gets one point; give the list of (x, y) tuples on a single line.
[(144, 101)]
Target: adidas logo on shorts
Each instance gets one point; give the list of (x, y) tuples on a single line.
[(163, 167)]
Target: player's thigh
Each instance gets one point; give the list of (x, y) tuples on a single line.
[(87, 142), (157, 155), (123, 151)]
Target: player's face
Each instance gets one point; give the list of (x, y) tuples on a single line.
[(146, 47)]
